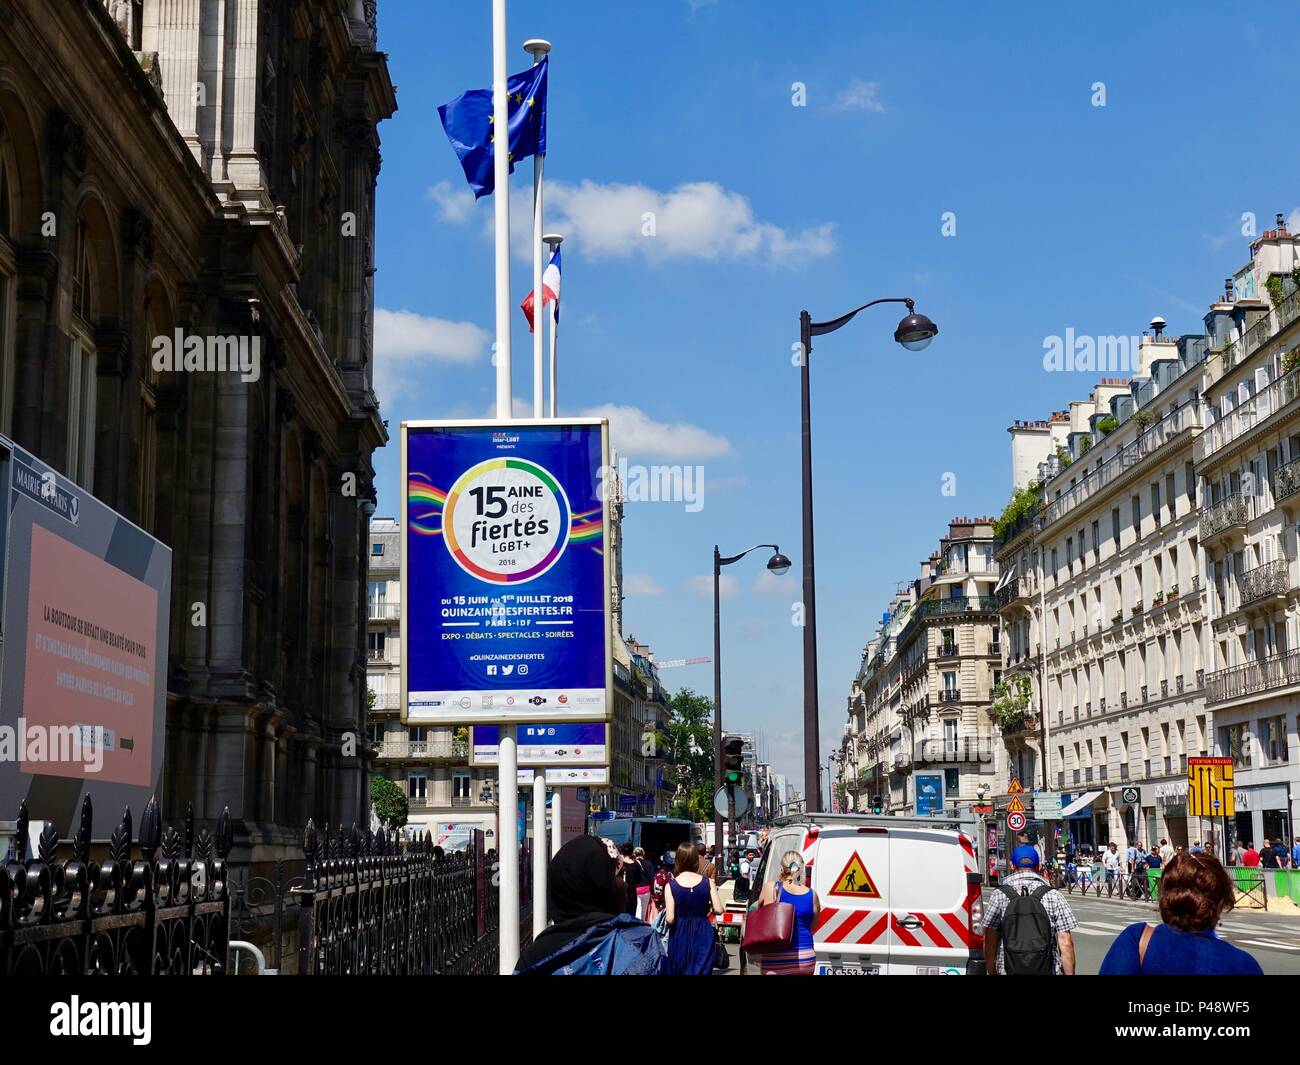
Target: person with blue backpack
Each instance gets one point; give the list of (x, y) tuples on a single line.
[(1027, 923), (592, 934)]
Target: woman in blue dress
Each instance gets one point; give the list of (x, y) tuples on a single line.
[(689, 900), (789, 887)]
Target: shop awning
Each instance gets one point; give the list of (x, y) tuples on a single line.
[(1084, 800)]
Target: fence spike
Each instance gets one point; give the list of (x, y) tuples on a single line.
[(81, 847), (225, 834), (310, 842), (150, 829), (189, 829), (20, 832), (48, 846)]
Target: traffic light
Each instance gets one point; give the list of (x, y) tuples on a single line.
[(877, 804), (731, 758)]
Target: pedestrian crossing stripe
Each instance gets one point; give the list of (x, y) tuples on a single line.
[(1015, 806), (854, 881)]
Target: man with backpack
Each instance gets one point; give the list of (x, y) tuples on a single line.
[(1027, 923)]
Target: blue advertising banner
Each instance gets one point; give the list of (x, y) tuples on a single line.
[(555, 743), (505, 579), (929, 794)]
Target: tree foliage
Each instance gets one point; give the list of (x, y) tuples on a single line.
[(690, 738), (388, 802), (1024, 503)]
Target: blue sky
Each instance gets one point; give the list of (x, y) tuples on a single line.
[(1068, 215)]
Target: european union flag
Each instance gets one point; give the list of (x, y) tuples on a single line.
[(468, 120)]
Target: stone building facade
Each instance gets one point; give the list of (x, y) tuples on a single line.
[(921, 701), (210, 168)]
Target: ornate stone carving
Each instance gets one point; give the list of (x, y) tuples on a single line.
[(137, 231), (67, 140)]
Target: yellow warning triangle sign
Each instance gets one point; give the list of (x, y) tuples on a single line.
[(855, 882), (1016, 788), (1015, 806)]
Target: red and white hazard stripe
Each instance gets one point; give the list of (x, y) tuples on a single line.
[(850, 926)]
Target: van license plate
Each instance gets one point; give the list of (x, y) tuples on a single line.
[(848, 970)]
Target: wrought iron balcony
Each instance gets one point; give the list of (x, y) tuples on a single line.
[(965, 749), (950, 695), (1146, 443), (1259, 408), (1263, 582), (1253, 678), (1286, 480), (1228, 513)]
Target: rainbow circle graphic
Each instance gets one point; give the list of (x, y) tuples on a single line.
[(520, 472)]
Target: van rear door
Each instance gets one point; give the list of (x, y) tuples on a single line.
[(930, 925), (851, 874)]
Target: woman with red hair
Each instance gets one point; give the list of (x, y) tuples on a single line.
[(1195, 891)]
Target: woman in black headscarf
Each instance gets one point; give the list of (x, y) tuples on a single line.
[(591, 933)]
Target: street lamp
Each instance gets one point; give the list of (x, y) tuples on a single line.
[(914, 332), (777, 564)]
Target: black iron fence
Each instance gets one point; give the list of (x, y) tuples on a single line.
[(165, 902), (165, 911)]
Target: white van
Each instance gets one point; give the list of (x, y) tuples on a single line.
[(899, 895)]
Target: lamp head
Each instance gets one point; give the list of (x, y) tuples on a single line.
[(915, 331), (778, 563)]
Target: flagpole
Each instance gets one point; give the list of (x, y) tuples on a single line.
[(553, 241), (501, 205), (537, 48), (508, 754)]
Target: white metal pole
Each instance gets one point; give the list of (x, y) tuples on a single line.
[(501, 172), (556, 810), (508, 848), (555, 368), (553, 241), (507, 770), (538, 302), (537, 49), (540, 856)]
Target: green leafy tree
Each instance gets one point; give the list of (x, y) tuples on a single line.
[(389, 803), (690, 740)]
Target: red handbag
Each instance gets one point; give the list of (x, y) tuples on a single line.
[(768, 929)]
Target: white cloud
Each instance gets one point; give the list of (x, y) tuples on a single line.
[(640, 584), (859, 96), (700, 220), (697, 6), (637, 436), (768, 583), (455, 202), (1293, 221), (703, 585), (695, 220), (406, 343)]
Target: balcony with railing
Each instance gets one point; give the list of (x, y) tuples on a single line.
[(380, 611), (399, 746), (1286, 480), (1253, 678), (375, 654), (1230, 513), (1271, 580), (387, 701), (950, 695), (963, 749), (1147, 443), (1253, 412)]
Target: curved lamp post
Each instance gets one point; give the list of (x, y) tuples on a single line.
[(914, 332), (777, 564)]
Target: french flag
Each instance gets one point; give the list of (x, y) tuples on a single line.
[(550, 289)]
